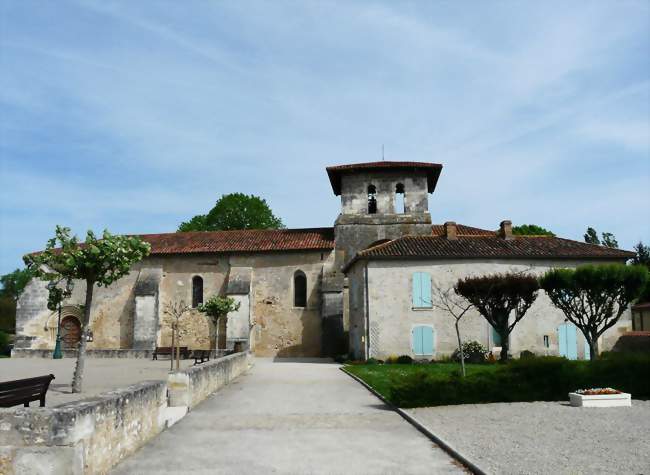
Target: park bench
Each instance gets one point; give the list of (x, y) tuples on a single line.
[(201, 356), (168, 351), (24, 391)]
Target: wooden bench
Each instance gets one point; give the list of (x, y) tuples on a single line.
[(24, 391), (201, 356), (169, 351)]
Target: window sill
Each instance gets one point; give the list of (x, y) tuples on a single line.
[(421, 309)]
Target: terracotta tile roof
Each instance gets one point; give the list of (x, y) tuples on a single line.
[(432, 171), (462, 230), (251, 240), (488, 246)]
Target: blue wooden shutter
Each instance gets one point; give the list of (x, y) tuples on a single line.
[(496, 338), (427, 340), (421, 290), (426, 289), (587, 353), (567, 340), (417, 289), (416, 337)]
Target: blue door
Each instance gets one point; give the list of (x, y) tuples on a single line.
[(567, 339), (422, 340)]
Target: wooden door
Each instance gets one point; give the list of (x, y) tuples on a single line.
[(70, 332)]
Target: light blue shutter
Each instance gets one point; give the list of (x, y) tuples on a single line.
[(416, 336), (417, 289), (496, 338), (425, 281), (567, 341), (421, 290), (427, 340)]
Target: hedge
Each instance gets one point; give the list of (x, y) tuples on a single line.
[(524, 380)]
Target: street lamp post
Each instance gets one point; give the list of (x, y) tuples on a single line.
[(58, 353)]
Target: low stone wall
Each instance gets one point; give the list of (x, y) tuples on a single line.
[(92, 435), (193, 385), (117, 353)]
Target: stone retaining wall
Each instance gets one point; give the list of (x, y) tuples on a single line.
[(92, 435), (116, 353)]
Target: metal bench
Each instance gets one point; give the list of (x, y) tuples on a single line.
[(169, 351), (24, 391), (201, 356)]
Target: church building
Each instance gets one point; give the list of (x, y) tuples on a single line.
[(366, 286)]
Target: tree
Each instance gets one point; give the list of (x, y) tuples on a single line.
[(96, 261), (174, 312), (13, 285), (608, 239), (234, 211), (217, 309), (531, 230), (455, 306), (642, 255), (496, 297), (593, 298)]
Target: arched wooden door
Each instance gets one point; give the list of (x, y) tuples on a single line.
[(70, 332)]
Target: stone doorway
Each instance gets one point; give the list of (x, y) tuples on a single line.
[(70, 332)]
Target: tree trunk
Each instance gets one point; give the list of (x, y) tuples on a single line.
[(222, 326), (77, 379), (460, 349), (178, 349), (593, 347), (171, 360), (505, 344)]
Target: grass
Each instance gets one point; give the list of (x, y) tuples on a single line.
[(523, 380), (382, 376)]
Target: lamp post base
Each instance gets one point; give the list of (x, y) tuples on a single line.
[(58, 354)]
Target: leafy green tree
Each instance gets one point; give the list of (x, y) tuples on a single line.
[(531, 230), (642, 255), (592, 297), (608, 239), (98, 261), (498, 296), (234, 211), (13, 285), (217, 309)]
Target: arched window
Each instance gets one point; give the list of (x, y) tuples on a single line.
[(399, 199), (299, 289), (197, 291), (372, 199)]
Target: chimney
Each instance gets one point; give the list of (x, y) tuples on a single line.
[(505, 230), (451, 231)]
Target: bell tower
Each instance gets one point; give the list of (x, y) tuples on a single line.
[(381, 201)]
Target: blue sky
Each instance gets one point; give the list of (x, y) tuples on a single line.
[(137, 115)]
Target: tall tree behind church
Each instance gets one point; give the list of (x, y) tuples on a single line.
[(235, 211)]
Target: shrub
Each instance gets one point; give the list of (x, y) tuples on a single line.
[(341, 359), (373, 361), (473, 352), (404, 359), (526, 354), (4, 343)]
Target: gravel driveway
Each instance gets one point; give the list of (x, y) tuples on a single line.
[(546, 437)]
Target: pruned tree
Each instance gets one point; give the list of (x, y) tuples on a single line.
[(593, 297), (502, 299), (217, 309), (97, 261), (174, 311), (455, 306)]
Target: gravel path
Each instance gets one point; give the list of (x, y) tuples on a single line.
[(546, 437)]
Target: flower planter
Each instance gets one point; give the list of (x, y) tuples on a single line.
[(600, 400)]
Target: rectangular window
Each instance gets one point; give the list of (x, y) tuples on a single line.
[(422, 290), (546, 343)]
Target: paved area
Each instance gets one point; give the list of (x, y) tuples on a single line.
[(546, 437), (100, 374), (298, 417)]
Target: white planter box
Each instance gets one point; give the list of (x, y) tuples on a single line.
[(600, 400)]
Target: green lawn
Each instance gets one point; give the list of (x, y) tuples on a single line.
[(523, 380), (382, 376)]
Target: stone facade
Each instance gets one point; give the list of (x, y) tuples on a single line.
[(259, 268), (381, 322)]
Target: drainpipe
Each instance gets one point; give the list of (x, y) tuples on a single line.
[(367, 305)]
